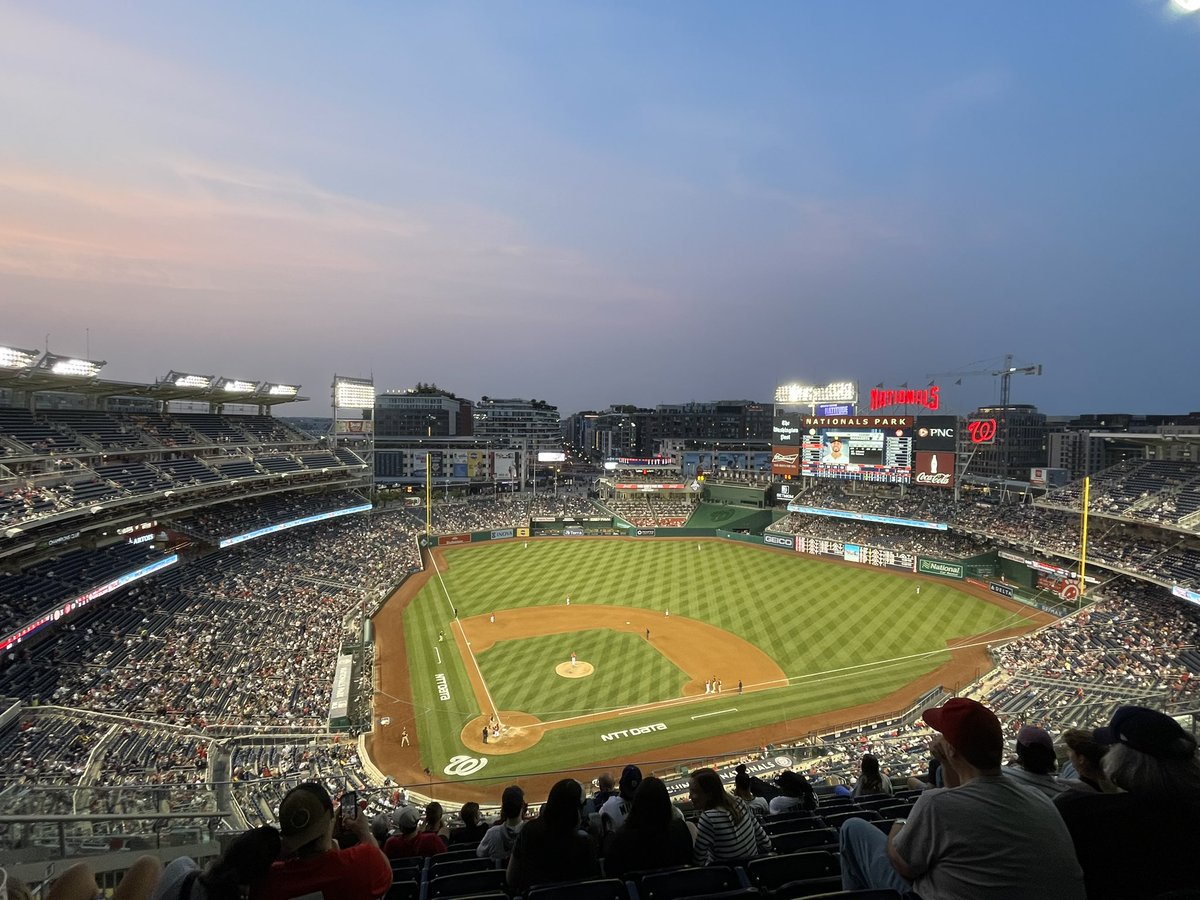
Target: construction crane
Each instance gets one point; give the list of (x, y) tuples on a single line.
[(1005, 375)]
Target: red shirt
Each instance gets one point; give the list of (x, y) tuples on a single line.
[(422, 843), (357, 873)]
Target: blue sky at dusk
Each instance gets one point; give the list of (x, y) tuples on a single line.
[(598, 203)]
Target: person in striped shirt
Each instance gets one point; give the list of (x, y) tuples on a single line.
[(726, 829)]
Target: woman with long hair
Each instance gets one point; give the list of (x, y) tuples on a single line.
[(653, 835), (1141, 842), (551, 847), (871, 779), (726, 829)]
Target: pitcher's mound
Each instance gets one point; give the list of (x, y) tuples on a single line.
[(579, 670)]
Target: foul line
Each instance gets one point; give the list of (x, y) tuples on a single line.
[(717, 713), (470, 652)]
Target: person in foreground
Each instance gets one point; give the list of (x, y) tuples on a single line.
[(313, 866), (726, 829), (246, 860), (551, 847), (1141, 842), (982, 836), (652, 835)]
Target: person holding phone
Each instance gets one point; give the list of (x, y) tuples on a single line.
[(312, 864)]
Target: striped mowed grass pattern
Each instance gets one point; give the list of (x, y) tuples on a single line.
[(844, 634), (629, 671)]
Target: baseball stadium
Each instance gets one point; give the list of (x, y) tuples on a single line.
[(204, 609)]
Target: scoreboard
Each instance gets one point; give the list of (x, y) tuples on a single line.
[(857, 448)]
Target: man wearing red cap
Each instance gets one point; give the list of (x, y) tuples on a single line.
[(982, 836)]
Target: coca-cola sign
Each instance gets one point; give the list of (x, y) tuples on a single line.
[(935, 469), (785, 461)]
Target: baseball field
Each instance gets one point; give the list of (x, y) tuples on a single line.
[(680, 647)]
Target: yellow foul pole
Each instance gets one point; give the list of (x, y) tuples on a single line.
[(1087, 490), (428, 497)]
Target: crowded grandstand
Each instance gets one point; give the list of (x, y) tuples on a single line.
[(186, 600)]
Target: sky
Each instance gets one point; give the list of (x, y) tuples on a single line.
[(611, 202)]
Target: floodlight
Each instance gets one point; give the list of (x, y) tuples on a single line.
[(234, 386), (839, 392), (14, 358), (354, 393), (68, 365), (282, 390), (184, 380)]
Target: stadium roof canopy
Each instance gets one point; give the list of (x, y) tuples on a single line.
[(19, 372)]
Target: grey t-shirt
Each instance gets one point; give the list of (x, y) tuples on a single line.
[(172, 879), (990, 839)]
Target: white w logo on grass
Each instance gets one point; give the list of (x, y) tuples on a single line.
[(464, 765)]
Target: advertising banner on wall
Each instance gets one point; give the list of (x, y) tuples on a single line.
[(504, 465), (476, 463), (785, 461), (786, 430), (940, 567), (933, 469), (935, 433)]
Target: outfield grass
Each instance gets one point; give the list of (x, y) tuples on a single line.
[(844, 635)]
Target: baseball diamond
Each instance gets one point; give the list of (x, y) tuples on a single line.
[(812, 642)]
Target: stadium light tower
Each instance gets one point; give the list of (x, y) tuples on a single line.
[(70, 366), (186, 380), (16, 358)]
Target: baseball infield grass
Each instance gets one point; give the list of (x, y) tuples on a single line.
[(844, 635)]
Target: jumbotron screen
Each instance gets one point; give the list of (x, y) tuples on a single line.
[(858, 448)]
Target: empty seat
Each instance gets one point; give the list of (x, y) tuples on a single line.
[(593, 889), (804, 840), (836, 819), (459, 885), (687, 882), (771, 872), (439, 865)]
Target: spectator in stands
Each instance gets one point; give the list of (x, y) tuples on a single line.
[(473, 827), (246, 861), (743, 790), (551, 847), (410, 842), (653, 836), (982, 836), (604, 791), (794, 793), (381, 829), (614, 810), (871, 779), (498, 841), (435, 824), (1142, 842), (726, 829), (312, 864), (1034, 766), (1084, 770)]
